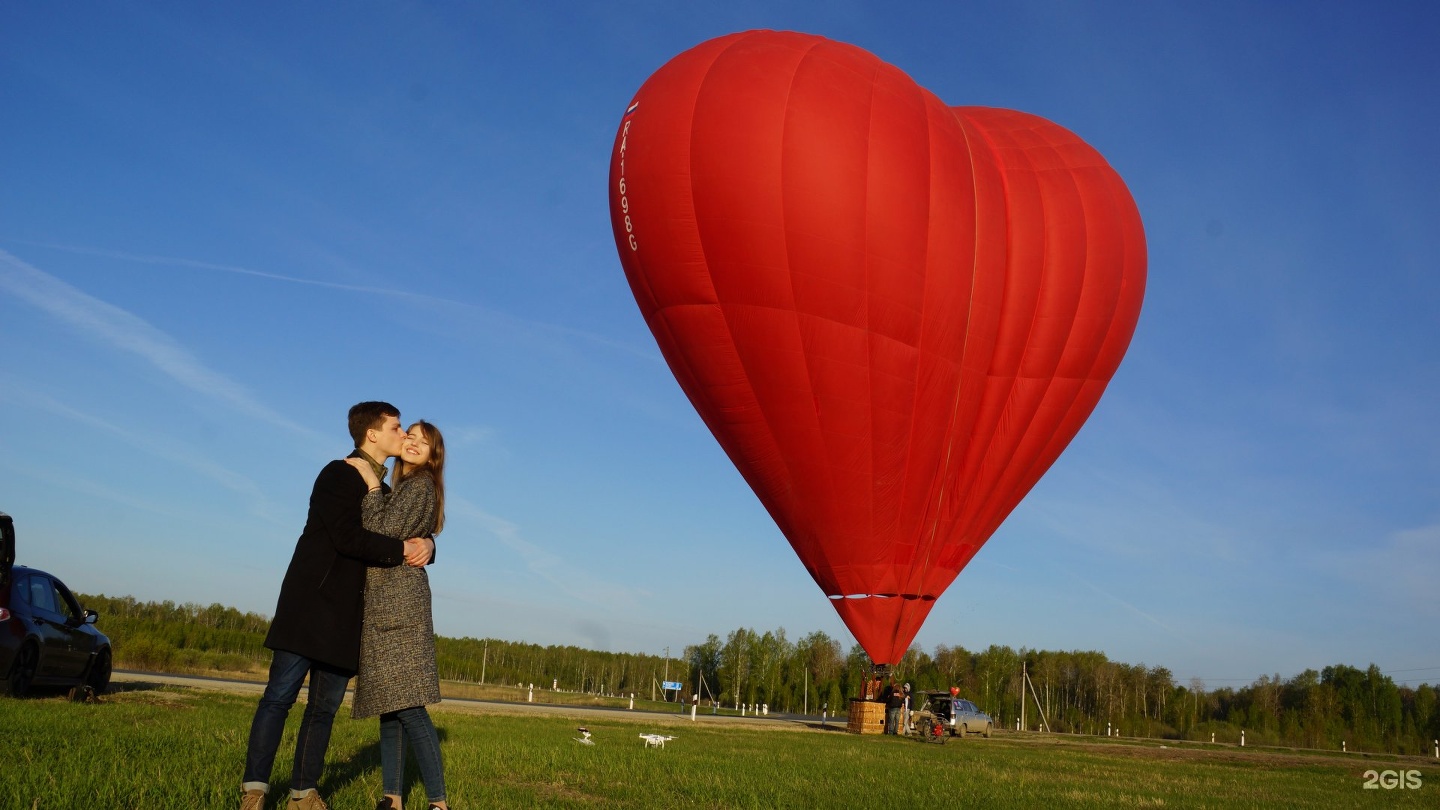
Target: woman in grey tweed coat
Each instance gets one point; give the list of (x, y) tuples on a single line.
[(398, 677)]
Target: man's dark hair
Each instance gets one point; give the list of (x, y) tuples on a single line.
[(368, 415)]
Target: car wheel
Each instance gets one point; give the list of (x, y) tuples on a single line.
[(22, 674), (987, 730), (99, 677)]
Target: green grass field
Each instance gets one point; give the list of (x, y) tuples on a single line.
[(172, 747)]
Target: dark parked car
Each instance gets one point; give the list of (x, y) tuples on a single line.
[(956, 714), (46, 639)]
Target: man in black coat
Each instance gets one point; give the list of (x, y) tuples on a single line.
[(316, 629)]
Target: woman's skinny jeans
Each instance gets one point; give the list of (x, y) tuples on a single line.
[(415, 724)]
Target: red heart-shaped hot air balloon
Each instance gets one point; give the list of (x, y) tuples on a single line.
[(893, 315)]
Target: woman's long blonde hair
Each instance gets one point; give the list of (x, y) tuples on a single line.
[(436, 466)]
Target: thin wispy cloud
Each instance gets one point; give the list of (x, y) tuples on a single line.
[(525, 620), (145, 442), (120, 329), (1121, 602), (554, 569), (416, 297), (172, 261), (472, 435), (1070, 574), (1400, 569)]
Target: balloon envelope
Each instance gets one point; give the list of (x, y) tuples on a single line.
[(892, 314)]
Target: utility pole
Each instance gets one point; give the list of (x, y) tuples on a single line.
[(1044, 722), (1023, 677), (667, 668), (485, 656)]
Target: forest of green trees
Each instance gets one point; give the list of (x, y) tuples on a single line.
[(1076, 692)]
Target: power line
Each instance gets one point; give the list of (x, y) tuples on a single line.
[(1387, 672)]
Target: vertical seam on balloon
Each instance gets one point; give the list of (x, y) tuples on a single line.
[(1030, 473), (724, 315), (1046, 272), (1119, 194), (1037, 461), (1003, 416), (1115, 202), (866, 271), (899, 573), (819, 549), (952, 433), (915, 580), (680, 356), (966, 518)]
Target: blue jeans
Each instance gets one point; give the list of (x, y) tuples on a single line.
[(424, 741), (327, 690), (892, 720)]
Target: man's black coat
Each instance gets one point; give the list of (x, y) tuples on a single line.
[(322, 598)]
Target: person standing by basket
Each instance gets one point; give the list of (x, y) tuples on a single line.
[(894, 704), (905, 709)]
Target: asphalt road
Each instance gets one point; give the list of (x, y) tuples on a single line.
[(775, 721)]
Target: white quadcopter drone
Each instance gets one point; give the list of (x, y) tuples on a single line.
[(655, 740)]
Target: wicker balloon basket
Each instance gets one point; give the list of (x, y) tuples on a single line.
[(866, 717)]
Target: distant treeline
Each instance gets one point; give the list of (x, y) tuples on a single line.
[(165, 636), (1082, 692), (1085, 692)]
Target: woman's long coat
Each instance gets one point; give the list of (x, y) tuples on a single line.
[(397, 640)]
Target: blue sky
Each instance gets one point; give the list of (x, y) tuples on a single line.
[(223, 224)]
